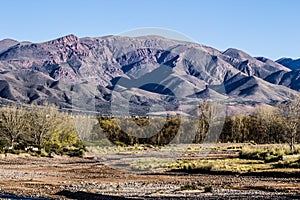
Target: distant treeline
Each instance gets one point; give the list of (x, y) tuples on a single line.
[(51, 131), (267, 124), (236, 129)]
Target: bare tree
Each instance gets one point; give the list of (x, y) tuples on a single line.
[(211, 121), (291, 117), (238, 127), (13, 124), (268, 118), (84, 126)]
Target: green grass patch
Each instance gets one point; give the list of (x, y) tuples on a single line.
[(267, 154), (220, 165), (151, 163)]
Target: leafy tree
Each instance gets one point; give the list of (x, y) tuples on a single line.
[(40, 123), (64, 136)]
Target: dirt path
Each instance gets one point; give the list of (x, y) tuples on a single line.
[(69, 178)]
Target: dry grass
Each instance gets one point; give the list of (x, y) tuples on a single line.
[(252, 159)]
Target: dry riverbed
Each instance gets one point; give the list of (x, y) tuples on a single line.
[(86, 178)]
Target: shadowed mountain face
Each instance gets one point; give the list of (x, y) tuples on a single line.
[(141, 73), (290, 63)]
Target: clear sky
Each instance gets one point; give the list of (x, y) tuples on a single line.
[(269, 28)]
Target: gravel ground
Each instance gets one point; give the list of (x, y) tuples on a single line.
[(79, 178)]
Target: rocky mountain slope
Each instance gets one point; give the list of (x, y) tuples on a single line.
[(7, 43), (137, 75)]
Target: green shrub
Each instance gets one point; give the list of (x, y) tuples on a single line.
[(42, 153), (76, 153)]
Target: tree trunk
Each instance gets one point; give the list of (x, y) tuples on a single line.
[(12, 143), (292, 142)]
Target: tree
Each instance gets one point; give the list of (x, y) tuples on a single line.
[(268, 120), (13, 125), (211, 120), (85, 127), (238, 127), (40, 123), (64, 134), (290, 112)]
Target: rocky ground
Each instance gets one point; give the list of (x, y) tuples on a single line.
[(83, 178)]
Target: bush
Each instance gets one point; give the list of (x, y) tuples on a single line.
[(289, 163), (76, 153), (267, 155), (42, 153), (208, 188)]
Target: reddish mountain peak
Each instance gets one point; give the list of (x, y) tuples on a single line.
[(68, 39)]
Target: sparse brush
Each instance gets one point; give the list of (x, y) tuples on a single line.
[(192, 186), (293, 162), (192, 166)]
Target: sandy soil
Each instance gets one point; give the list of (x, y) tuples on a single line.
[(83, 178)]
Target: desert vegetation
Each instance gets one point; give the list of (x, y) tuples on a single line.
[(39, 130), (48, 130)]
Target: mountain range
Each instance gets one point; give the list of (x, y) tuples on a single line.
[(139, 75)]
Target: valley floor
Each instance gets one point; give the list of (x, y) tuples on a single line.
[(86, 178)]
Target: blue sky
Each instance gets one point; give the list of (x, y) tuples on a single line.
[(268, 28)]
